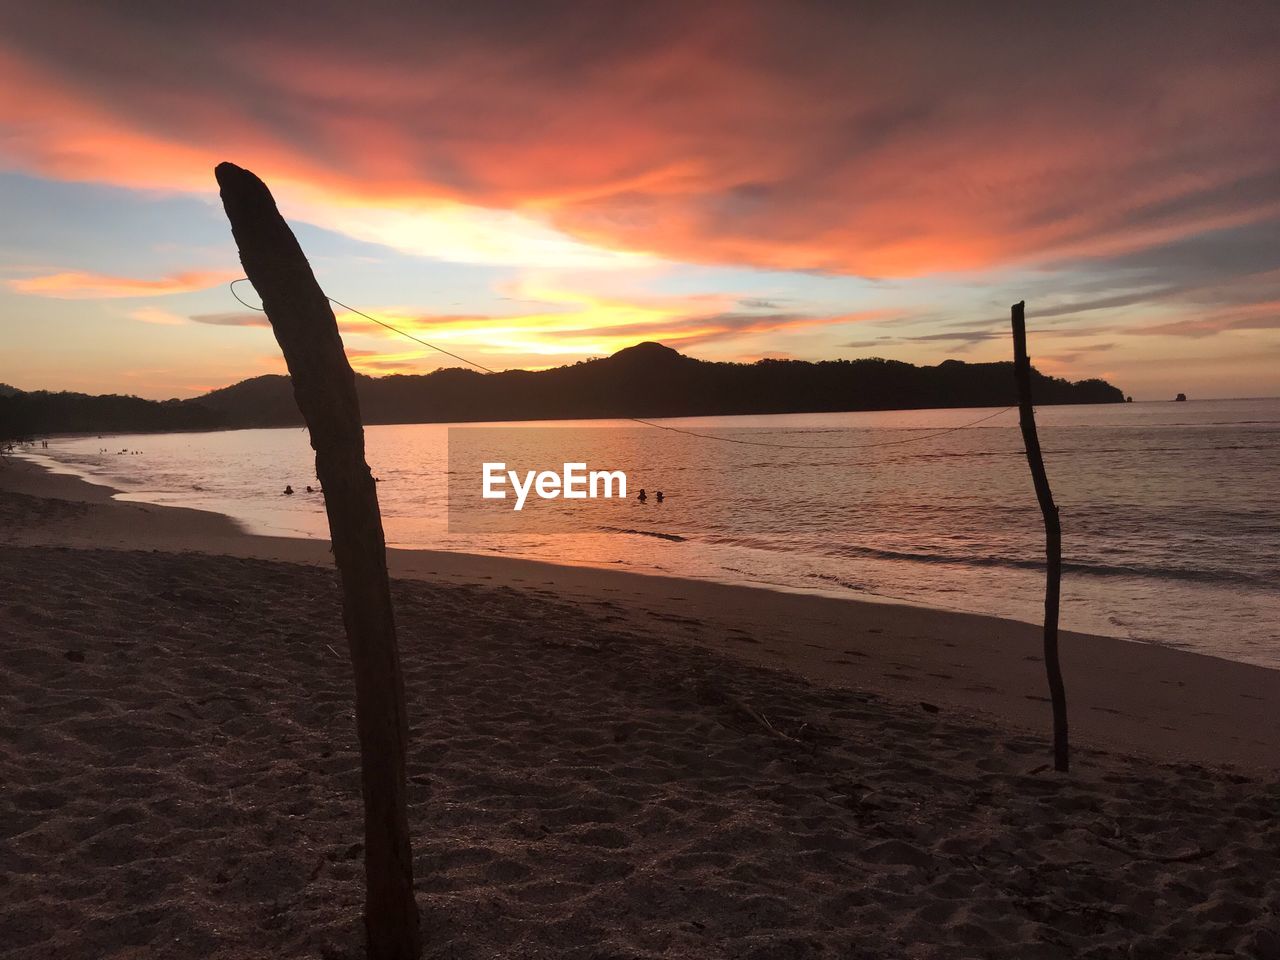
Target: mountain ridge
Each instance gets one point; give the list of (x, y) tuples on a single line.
[(645, 380)]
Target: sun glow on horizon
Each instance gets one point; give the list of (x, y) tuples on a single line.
[(578, 324)]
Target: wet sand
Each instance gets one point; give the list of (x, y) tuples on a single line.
[(1128, 697), (602, 764)]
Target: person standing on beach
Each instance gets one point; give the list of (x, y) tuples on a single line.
[(643, 496)]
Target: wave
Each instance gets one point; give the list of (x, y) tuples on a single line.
[(839, 582), (674, 538), (1192, 574), (1004, 561)]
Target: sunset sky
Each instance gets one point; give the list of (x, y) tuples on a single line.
[(531, 184)]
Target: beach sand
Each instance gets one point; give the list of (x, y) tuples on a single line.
[(602, 765)]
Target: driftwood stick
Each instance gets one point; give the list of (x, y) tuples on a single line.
[(324, 386), (1052, 538), (760, 718)]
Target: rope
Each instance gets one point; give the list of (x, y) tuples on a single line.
[(404, 333), (840, 446), (650, 423), (381, 323)]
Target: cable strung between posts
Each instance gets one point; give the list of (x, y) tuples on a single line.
[(649, 423), (381, 323), (834, 446)]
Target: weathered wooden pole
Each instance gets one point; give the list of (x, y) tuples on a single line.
[(1052, 538), (324, 386)]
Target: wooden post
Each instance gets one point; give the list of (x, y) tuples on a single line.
[(324, 386), (1052, 538)]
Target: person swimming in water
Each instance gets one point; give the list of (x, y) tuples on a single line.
[(660, 497), (288, 490), (643, 496)]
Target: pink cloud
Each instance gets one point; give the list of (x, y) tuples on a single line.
[(815, 137), (83, 285)]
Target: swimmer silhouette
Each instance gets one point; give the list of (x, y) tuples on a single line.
[(643, 496), (288, 490), (660, 497)]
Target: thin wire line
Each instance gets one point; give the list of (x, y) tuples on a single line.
[(650, 423), (842, 446), (381, 323), (242, 300), (403, 333)]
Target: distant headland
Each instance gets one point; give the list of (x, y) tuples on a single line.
[(646, 380)]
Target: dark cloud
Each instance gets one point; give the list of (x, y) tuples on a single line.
[(964, 339), (1079, 353), (232, 319), (1206, 273), (1190, 262), (1211, 326)]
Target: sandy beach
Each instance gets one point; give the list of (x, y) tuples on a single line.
[(602, 764)]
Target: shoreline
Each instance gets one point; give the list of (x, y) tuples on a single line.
[(1123, 696), (1131, 569), (293, 425), (63, 468)]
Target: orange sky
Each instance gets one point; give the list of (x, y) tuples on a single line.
[(539, 183)]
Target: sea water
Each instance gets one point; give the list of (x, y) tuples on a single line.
[(1171, 523)]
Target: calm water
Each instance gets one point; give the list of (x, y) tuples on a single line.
[(1171, 522)]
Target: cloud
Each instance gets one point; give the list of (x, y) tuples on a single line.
[(964, 339), (968, 337), (1196, 287), (1262, 316), (157, 316), (572, 322), (1075, 355), (232, 319), (931, 137), (82, 285)]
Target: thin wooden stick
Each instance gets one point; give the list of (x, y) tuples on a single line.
[(324, 386), (761, 719), (1052, 538)]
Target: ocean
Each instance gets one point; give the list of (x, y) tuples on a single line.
[(1171, 524)]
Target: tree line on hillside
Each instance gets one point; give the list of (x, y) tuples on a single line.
[(647, 380), (24, 415)]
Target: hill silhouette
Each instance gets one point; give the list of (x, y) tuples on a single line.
[(646, 380), (27, 414)]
